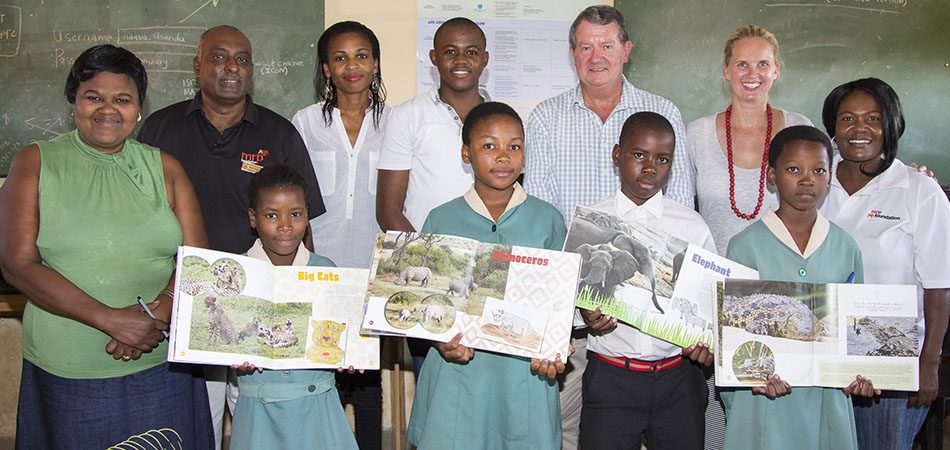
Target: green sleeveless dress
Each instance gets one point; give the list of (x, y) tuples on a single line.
[(105, 225)]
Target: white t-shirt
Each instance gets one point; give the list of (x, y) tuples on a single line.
[(346, 233), (901, 222), (658, 213), (424, 136)]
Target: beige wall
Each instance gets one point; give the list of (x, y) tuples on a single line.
[(394, 22)]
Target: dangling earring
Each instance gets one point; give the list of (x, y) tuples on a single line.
[(374, 86), (140, 118), (329, 91)]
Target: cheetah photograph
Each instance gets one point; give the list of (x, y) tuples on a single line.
[(224, 276), (249, 325)]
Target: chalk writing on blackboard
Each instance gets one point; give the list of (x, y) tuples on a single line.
[(213, 3), (161, 36), (10, 25), (46, 126), (879, 6)]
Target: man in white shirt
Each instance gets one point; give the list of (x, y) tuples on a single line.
[(568, 142)]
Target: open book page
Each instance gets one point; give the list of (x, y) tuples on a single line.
[(816, 334), (694, 293), (230, 309), (507, 299), (646, 277), (879, 335)]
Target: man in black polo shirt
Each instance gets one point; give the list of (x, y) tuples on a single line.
[(222, 139)]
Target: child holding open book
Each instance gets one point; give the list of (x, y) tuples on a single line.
[(286, 408), (474, 399), (796, 243), (638, 387)]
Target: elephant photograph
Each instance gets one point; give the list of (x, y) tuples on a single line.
[(621, 259)]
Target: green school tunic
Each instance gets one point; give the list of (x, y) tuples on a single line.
[(493, 402), (808, 417), (292, 409)]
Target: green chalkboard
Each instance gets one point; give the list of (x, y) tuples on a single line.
[(39, 40), (678, 47)]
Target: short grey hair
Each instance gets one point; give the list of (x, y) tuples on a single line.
[(600, 15)]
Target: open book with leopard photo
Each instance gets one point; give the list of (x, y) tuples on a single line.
[(817, 334), (230, 309)]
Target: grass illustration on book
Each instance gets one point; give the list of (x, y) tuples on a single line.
[(641, 319)]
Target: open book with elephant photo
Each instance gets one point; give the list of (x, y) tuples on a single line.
[(502, 298), (230, 309), (817, 334), (647, 278)]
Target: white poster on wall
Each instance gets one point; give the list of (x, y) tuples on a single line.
[(529, 56)]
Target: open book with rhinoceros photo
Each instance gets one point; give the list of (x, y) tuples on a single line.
[(502, 298)]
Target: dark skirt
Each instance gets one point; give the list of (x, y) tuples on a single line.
[(165, 407)]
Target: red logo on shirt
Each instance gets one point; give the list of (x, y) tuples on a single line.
[(876, 214), (255, 157)]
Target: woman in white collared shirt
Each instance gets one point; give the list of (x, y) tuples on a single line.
[(900, 219), (343, 134)]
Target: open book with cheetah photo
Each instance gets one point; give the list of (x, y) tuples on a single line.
[(230, 309), (502, 298), (817, 334)]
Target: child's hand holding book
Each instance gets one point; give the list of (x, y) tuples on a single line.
[(455, 352)]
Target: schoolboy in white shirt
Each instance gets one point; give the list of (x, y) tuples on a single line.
[(420, 164), (637, 387)]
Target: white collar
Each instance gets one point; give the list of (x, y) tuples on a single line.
[(894, 177), (475, 202), (302, 258), (435, 97), (819, 232), (626, 95), (653, 205)]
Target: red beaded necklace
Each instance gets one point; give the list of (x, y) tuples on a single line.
[(732, 172)]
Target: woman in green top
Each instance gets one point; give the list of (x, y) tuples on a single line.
[(89, 222)]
